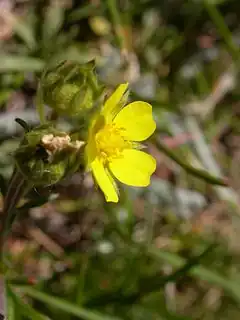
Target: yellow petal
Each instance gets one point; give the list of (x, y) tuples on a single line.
[(91, 148), (134, 168), (90, 152), (115, 102), (104, 180), (137, 121)]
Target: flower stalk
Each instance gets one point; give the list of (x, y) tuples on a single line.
[(17, 188)]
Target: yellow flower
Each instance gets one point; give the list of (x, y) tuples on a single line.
[(112, 148)]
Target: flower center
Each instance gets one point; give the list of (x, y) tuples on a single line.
[(110, 142)]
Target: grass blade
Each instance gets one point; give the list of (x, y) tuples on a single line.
[(117, 23), (202, 174), (11, 309), (24, 32), (53, 22), (223, 30), (65, 306), (200, 272), (22, 29), (85, 11), (25, 309), (20, 63)]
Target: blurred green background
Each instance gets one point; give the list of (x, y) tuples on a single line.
[(170, 251)]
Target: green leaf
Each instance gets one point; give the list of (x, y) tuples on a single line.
[(115, 13), (23, 308), (200, 272), (202, 174), (74, 53), (39, 101), (85, 11), (11, 307), (155, 283), (222, 27), (53, 21), (20, 63), (65, 306), (25, 32)]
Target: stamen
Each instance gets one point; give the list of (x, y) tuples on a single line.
[(110, 142)]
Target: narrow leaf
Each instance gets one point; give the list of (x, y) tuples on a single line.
[(222, 28), (202, 174), (53, 22), (65, 306), (22, 29), (200, 272), (10, 306), (25, 309), (20, 63), (25, 32), (84, 12)]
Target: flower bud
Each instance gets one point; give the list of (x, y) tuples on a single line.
[(71, 88), (47, 155)]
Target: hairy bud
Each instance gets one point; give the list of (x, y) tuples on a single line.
[(47, 155)]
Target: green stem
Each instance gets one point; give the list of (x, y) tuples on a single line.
[(63, 305), (17, 187), (14, 188), (199, 272), (116, 19), (202, 174), (40, 105), (219, 22)]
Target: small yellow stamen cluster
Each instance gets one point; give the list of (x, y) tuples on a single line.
[(110, 142)]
